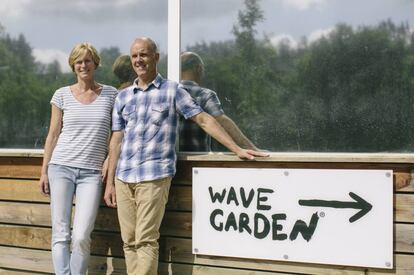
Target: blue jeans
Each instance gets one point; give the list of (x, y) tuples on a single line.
[(86, 185)]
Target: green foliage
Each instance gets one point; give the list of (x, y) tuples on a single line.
[(104, 73), (26, 88), (351, 90)]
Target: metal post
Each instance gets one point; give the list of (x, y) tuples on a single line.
[(174, 39)]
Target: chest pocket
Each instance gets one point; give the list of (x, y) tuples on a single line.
[(129, 114), (158, 114)]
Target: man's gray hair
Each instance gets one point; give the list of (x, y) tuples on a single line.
[(190, 61)]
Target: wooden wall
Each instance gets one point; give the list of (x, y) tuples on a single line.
[(25, 231)]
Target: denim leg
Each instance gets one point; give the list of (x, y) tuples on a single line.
[(87, 199), (62, 187)]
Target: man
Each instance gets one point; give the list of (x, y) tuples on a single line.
[(145, 119), (122, 69), (192, 137)]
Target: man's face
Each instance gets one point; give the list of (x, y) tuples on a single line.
[(144, 60)]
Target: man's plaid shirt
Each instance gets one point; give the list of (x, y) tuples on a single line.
[(192, 137), (149, 119)]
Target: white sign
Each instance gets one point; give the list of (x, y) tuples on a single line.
[(342, 217)]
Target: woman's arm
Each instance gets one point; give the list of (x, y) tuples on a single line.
[(51, 140)]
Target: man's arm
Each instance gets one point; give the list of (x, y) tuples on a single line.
[(114, 151), (210, 125), (235, 132)]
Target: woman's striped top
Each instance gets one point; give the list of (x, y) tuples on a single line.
[(83, 141)]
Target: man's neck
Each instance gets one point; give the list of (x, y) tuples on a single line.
[(191, 76), (144, 82)]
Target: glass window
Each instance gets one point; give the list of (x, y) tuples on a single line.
[(36, 38), (310, 75)]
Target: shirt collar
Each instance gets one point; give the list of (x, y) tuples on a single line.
[(189, 83), (156, 82)]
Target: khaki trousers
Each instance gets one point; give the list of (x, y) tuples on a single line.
[(141, 207)]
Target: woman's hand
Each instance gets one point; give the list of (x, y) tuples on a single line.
[(44, 185)]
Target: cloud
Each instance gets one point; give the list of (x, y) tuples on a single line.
[(304, 4), (285, 39), (315, 35), (46, 56), (13, 9), (107, 10)]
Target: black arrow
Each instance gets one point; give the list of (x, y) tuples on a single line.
[(358, 203)]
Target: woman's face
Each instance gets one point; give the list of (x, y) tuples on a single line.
[(84, 67)]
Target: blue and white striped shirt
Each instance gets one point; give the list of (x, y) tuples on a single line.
[(83, 141), (149, 119)]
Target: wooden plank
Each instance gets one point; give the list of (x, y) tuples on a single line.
[(403, 265), (26, 259), (27, 190), (41, 261), (108, 243), (185, 269), (180, 197), (39, 214), (18, 272), (177, 224), (21, 190), (407, 158), (404, 208), (404, 238), (103, 243), (179, 250), (30, 168), (25, 153), (174, 224), (15, 167), (402, 178)]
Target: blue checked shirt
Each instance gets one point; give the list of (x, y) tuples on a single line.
[(192, 137), (149, 119)]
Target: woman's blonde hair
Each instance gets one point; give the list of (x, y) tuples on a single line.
[(80, 50)]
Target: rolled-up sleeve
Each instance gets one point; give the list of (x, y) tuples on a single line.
[(185, 104), (118, 122)]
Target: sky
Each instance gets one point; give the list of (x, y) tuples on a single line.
[(53, 27)]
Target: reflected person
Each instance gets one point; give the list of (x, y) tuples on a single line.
[(74, 153), (122, 69), (192, 137), (142, 151)]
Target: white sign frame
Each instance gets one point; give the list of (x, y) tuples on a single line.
[(340, 236)]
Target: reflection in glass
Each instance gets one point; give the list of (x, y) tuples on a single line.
[(192, 137), (310, 75), (35, 40)]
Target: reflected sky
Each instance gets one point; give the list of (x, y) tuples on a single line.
[(53, 27)]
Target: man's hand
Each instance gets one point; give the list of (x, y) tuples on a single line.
[(110, 195), (105, 169), (250, 154)]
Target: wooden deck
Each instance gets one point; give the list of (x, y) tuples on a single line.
[(25, 230)]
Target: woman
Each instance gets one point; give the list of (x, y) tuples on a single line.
[(75, 150)]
